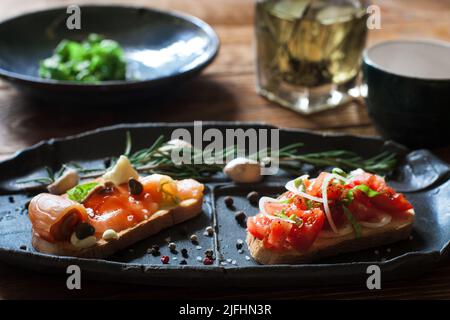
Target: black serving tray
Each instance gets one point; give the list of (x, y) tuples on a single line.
[(420, 173)]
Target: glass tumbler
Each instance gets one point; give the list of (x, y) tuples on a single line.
[(308, 52)]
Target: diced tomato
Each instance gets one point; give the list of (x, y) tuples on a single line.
[(272, 207), (362, 208), (337, 214), (279, 231), (334, 192), (299, 203), (373, 181), (278, 234), (395, 203), (259, 226), (302, 238)]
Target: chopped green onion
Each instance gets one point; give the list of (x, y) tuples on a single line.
[(355, 225), (298, 182), (298, 221), (340, 172), (364, 188)]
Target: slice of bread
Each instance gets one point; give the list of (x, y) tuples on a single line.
[(398, 229), (160, 220)]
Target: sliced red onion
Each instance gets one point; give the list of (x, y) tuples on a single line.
[(325, 184)]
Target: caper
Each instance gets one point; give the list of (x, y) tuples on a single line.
[(84, 230), (136, 188)]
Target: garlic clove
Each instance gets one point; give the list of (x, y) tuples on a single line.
[(67, 181), (243, 170)]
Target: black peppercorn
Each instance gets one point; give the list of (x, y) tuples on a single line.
[(239, 244), (209, 253), (155, 253), (107, 162), (240, 217), (253, 197), (228, 201), (183, 262), (184, 253)]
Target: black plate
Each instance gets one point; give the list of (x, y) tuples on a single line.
[(421, 172), (162, 48)]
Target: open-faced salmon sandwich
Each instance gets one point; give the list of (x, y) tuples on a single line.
[(331, 214), (97, 218)]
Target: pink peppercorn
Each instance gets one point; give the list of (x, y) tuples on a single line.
[(165, 259)]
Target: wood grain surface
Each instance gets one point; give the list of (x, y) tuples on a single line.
[(225, 91)]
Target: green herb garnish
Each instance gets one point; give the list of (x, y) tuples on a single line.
[(355, 225), (282, 214), (364, 188), (339, 172), (80, 192), (152, 160), (299, 182), (93, 60)]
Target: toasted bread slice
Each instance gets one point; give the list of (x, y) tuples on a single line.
[(160, 220), (398, 229)]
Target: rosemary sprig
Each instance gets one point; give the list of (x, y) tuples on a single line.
[(154, 159)]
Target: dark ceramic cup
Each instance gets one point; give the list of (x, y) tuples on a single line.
[(408, 91)]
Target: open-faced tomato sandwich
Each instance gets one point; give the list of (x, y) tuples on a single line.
[(97, 218), (331, 214)]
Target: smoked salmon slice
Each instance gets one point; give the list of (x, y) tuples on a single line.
[(54, 217)]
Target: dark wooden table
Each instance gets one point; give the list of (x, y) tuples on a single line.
[(225, 91)]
